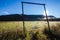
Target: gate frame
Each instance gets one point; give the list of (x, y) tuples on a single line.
[(34, 4)]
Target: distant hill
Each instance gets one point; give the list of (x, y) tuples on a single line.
[(17, 17), (12, 17)]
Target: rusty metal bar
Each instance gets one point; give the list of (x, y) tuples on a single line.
[(47, 18), (33, 3), (23, 22)]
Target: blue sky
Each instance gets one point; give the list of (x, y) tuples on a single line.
[(14, 7)]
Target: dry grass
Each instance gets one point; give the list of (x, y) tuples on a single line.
[(35, 30)]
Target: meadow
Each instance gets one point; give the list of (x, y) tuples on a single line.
[(34, 30)]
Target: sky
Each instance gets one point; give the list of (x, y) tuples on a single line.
[(14, 7)]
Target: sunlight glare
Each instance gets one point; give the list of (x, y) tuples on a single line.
[(47, 12)]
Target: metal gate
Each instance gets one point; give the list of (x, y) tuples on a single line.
[(22, 3)]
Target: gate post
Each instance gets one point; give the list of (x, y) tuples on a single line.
[(24, 34), (47, 18)]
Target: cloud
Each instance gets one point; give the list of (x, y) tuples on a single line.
[(6, 12)]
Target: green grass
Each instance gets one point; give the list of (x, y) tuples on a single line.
[(14, 30)]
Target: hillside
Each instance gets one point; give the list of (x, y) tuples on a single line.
[(17, 17)]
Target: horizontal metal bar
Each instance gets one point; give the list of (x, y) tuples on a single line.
[(33, 3)]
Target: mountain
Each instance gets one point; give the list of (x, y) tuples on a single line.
[(19, 17), (12, 17)]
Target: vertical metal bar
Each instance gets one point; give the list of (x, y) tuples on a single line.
[(47, 18), (23, 20)]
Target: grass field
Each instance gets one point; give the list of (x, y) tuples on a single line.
[(35, 30)]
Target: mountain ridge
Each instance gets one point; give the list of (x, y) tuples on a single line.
[(19, 17)]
